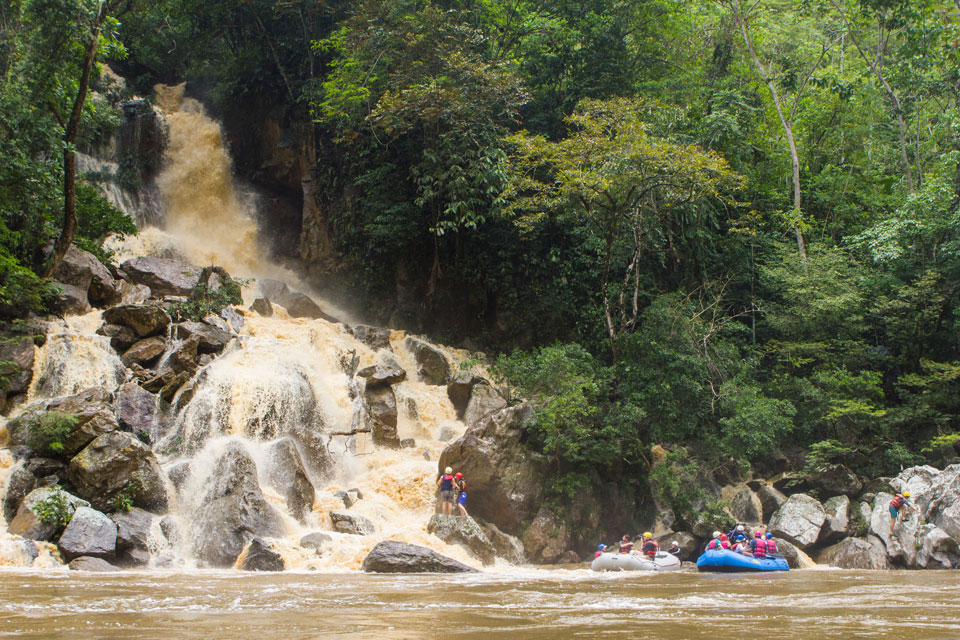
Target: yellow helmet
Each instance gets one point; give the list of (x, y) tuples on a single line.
[(647, 534), (906, 494)]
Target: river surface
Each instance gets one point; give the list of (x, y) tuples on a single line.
[(821, 604)]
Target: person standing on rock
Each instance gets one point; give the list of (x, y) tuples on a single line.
[(461, 486), (899, 501), (446, 483)]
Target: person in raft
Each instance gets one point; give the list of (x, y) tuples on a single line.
[(625, 545), (650, 546), (714, 544), (899, 501), (771, 544), (758, 546), (675, 551), (461, 486), (446, 491), (600, 549)]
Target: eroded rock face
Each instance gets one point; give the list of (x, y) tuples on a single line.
[(506, 480), (836, 479), (143, 320), (390, 556), (116, 462), (82, 270), (901, 545), (259, 555), (464, 532), (90, 533), (836, 525), (432, 364), (798, 520), (286, 475), (744, 504), (165, 277), (546, 540), (232, 510), (484, 400), (855, 553)]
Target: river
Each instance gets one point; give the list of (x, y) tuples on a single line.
[(532, 603)]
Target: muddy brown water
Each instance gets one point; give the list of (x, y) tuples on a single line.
[(819, 604)]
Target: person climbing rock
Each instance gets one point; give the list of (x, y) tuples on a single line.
[(461, 486), (899, 501), (625, 545), (446, 491)]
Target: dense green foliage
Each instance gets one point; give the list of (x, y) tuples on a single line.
[(48, 431), (54, 509)]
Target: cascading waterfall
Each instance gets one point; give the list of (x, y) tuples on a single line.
[(281, 379)]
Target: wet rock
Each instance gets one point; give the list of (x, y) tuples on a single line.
[(28, 553), (183, 359), (86, 563), (465, 532), (408, 443), (285, 473), (432, 364), (505, 545), (315, 541), (300, 305), (133, 293), (171, 529), (373, 337), (345, 497), (546, 539), (835, 479), (770, 499), (798, 520), (390, 556), (91, 408), (232, 510), (744, 505), (133, 529), (82, 270), (20, 483), (165, 277), (262, 306), (234, 319), (836, 525), (260, 556), (378, 375), (71, 300), (19, 355), (145, 320), (137, 412), (145, 352), (506, 480), (689, 544), (90, 533), (116, 462), (210, 339), (347, 522), (937, 550), (796, 558), (178, 473), (27, 523), (484, 400), (901, 546), (459, 389), (382, 404), (121, 337), (855, 553), (446, 434), (133, 558)]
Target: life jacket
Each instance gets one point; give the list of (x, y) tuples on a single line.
[(771, 546), (898, 501), (463, 486), (650, 548), (759, 548), (446, 483), (626, 547), (724, 544), (713, 544)]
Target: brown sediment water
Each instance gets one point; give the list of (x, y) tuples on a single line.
[(819, 604)]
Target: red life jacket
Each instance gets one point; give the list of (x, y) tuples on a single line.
[(714, 544), (759, 548), (724, 544), (898, 501), (650, 548), (771, 546)]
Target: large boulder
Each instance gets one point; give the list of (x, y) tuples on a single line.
[(133, 529), (209, 339), (145, 352), (432, 365), (484, 400), (71, 300), (90, 533), (164, 276), (743, 503), (464, 532), (118, 462), (82, 270), (352, 523), (942, 508), (855, 553), (936, 549), (300, 305), (459, 389), (770, 499), (28, 524), (835, 479), (390, 556), (505, 545), (138, 412), (121, 337), (19, 484), (506, 480), (547, 539), (16, 364), (836, 525), (795, 557), (145, 320), (285, 473), (902, 544), (382, 404), (232, 510), (798, 520), (378, 375), (373, 337), (259, 555), (92, 409)]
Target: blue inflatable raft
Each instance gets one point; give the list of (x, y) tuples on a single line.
[(723, 560)]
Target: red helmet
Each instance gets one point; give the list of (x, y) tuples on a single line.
[(723, 536), (757, 534), (458, 476)]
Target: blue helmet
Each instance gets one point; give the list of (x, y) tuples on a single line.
[(601, 547), (769, 535)]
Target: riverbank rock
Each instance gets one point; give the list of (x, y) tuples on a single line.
[(936, 549), (19, 484), (374, 337), (546, 539), (744, 505), (85, 272), (27, 523), (901, 545), (90, 533), (798, 520), (286, 474), (316, 541), (770, 499), (459, 390), (836, 524), (506, 480), (353, 523), (118, 462), (835, 479), (390, 556), (259, 555), (133, 529), (144, 320), (86, 563), (855, 553), (484, 400), (432, 365), (795, 557), (164, 276), (505, 545), (232, 510), (465, 532)]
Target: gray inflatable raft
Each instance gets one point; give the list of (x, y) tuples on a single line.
[(632, 562)]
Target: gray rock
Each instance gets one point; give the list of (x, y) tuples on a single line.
[(835, 479), (262, 306), (210, 339), (92, 409), (315, 541), (743, 503), (71, 300), (943, 505), (179, 473), (260, 556), (82, 270), (85, 563), (133, 529), (432, 364), (547, 538), (463, 531), (408, 443), (20, 483), (116, 462), (770, 499), (796, 558), (300, 305), (232, 510), (505, 545), (90, 533), (218, 323), (145, 352), (137, 412), (234, 319), (390, 556), (133, 558), (377, 375), (171, 529), (382, 404), (20, 354), (902, 545), (373, 337), (145, 320), (937, 550), (446, 434), (165, 277), (346, 497), (121, 337), (798, 520), (459, 389), (27, 523), (484, 400), (836, 525), (132, 293), (285, 473), (347, 522), (855, 553)]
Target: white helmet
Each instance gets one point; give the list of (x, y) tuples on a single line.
[(448, 470), (739, 527), (675, 543), (716, 534)]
